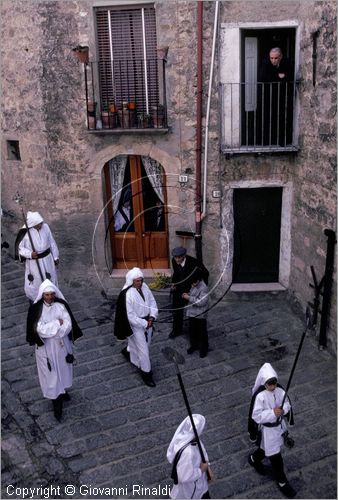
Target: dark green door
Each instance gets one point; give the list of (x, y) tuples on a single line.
[(257, 216)]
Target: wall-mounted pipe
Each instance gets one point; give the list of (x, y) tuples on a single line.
[(206, 139), (198, 225)]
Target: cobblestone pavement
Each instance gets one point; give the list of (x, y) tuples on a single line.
[(115, 430)]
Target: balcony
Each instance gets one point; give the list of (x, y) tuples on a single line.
[(259, 117), (126, 96)]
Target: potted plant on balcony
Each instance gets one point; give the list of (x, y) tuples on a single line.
[(148, 121), (82, 53), (91, 113), (157, 113), (112, 108), (105, 119), (132, 113), (114, 120)]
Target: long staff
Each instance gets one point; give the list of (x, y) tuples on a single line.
[(172, 355), (308, 325), (32, 244)]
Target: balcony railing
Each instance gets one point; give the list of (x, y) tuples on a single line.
[(258, 117), (126, 95)]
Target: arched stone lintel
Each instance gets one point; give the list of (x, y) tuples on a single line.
[(170, 164)]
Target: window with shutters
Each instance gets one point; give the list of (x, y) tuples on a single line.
[(128, 74)]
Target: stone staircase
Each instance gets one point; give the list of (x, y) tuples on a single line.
[(115, 430)]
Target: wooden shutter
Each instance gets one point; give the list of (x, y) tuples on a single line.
[(127, 63), (250, 73)]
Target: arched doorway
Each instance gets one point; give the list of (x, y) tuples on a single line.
[(136, 214)]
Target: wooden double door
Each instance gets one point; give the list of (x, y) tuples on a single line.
[(143, 242)]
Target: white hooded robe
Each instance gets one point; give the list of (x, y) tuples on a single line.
[(263, 413), (56, 345), (192, 482), (137, 309), (42, 240)]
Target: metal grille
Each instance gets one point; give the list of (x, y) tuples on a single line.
[(258, 116)]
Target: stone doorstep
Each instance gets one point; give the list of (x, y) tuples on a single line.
[(148, 273), (257, 287), (117, 278)]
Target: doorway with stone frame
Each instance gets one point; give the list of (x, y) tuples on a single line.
[(231, 262), (135, 189)]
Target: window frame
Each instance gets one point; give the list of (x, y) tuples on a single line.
[(150, 73), (230, 75)]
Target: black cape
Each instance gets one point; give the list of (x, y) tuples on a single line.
[(17, 242), (122, 328), (252, 425), (34, 314)]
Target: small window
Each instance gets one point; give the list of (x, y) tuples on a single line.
[(13, 150)]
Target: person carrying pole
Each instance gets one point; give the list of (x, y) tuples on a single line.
[(190, 471), (38, 249), (270, 411)]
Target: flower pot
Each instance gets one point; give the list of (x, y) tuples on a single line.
[(114, 121), (91, 108), (157, 114), (91, 122), (148, 121), (132, 106), (112, 108), (82, 53), (124, 118), (105, 119)]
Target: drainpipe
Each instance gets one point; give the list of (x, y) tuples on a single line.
[(206, 140), (198, 222)]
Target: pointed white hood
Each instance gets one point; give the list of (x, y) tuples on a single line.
[(184, 434), (48, 286), (33, 219), (131, 275), (266, 371)]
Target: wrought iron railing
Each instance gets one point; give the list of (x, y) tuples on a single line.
[(258, 117), (126, 94)]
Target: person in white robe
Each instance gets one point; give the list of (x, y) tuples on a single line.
[(189, 472), (136, 310), (271, 417), (51, 327), (45, 252)]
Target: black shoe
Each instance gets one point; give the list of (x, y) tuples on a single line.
[(258, 466), (173, 334), (191, 350), (253, 437), (287, 490), (65, 396), (147, 378), (203, 354), (57, 407), (126, 353)]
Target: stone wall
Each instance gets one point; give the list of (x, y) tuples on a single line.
[(60, 172)]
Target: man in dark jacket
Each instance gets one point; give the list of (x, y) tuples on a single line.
[(184, 267), (275, 92)]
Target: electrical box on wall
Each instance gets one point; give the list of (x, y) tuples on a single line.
[(216, 194), (182, 179)]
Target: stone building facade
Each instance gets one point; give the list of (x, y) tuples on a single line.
[(58, 165)]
